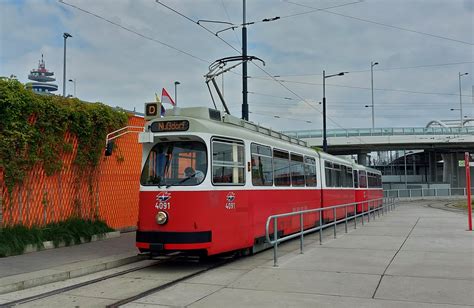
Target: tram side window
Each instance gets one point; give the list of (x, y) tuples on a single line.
[(356, 178), (310, 171), (297, 170), (348, 181), (327, 172), (362, 179), (228, 165), (281, 168), (336, 175), (262, 166)]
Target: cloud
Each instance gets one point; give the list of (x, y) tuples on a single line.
[(123, 69)]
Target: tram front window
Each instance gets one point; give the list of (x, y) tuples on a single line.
[(181, 163)]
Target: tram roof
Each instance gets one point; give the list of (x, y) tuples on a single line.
[(206, 120)]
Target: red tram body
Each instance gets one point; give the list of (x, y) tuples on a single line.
[(210, 181)]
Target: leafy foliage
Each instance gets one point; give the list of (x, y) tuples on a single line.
[(33, 129), (14, 239)]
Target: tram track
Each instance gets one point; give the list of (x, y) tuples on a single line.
[(85, 283), (213, 263), (169, 284)]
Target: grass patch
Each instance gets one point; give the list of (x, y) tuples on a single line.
[(463, 205), (13, 240)]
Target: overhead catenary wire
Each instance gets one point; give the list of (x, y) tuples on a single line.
[(385, 25), (361, 88), (376, 69), (134, 32)]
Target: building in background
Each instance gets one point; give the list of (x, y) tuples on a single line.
[(42, 80)]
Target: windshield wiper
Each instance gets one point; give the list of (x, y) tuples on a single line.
[(182, 181)]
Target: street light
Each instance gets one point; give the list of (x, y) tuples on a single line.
[(325, 142), (73, 81), (460, 97), (372, 64), (176, 83), (65, 36)]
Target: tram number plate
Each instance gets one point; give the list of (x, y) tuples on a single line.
[(230, 206), (162, 205)]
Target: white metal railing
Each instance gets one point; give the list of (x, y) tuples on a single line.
[(426, 193), (370, 207)]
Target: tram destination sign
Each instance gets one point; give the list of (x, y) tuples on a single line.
[(169, 126)]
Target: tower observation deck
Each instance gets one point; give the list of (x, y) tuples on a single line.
[(42, 78)]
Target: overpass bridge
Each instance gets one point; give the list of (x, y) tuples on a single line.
[(444, 145), (365, 140)]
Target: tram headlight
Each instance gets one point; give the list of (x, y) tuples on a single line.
[(161, 218)]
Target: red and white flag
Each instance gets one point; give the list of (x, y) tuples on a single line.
[(166, 98)]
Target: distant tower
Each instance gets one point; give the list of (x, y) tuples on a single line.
[(43, 78)]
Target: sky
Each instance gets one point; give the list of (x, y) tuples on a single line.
[(124, 51)]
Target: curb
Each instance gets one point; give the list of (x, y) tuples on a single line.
[(68, 271), (50, 245)]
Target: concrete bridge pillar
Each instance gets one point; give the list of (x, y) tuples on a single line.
[(432, 167), (363, 159), (452, 173)]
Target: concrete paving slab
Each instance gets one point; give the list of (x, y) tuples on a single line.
[(418, 231), (433, 264), (169, 272), (368, 242), (379, 230), (453, 244), (231, 298), (428, 290), (450, 224), (142, 305), (182, 294), (339, 260), (117, 288), (219, 276), (305, 281), (61, 284), (246, 263), (65, 301)]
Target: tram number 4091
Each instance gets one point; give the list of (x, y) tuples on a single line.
[(162, 205)]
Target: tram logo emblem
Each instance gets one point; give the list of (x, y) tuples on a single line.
[(162, 201), (163, 196), (230, 198)]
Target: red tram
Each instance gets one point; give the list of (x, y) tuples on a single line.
[(210, 181)]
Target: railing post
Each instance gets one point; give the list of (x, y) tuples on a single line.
[(275, 238), (345, 221), (368, 211), (355, 215), (320, 227), (335, 219), (301, 230), (363, 212)]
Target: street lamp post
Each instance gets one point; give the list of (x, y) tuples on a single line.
[(65, 36), (460, 97), (372, 64), (74, 82), (325, 142), (176, 83)]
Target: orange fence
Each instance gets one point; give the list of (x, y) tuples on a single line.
[(110, 193)]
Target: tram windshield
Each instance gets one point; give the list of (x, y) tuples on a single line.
[(180, 163)]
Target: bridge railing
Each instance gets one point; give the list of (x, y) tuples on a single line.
[(402, 131), (426, 193)]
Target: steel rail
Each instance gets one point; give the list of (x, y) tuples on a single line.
[(82, 284)]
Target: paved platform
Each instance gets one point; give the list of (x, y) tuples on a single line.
[(416, 256), (38, 268)]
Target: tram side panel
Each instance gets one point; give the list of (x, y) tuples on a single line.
[(265, 203)]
